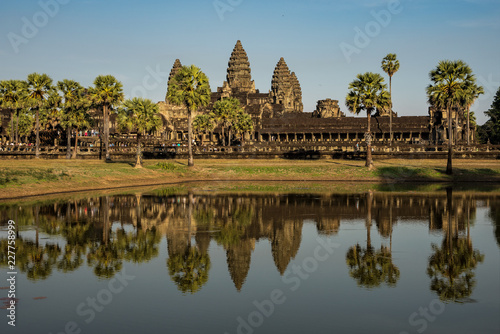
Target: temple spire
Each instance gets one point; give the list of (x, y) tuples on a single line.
[(175, 68), (238, 76), (285, 88)]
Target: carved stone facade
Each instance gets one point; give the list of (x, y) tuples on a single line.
[(328, 108)]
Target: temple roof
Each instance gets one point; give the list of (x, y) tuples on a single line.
[(303, 122)]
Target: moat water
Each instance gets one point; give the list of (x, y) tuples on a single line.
[(202, 261)]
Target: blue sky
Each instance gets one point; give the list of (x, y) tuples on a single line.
[(138, 41)]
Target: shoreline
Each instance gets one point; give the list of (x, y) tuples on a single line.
[(29, 178)]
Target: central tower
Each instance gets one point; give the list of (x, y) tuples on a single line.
[(239, 78)]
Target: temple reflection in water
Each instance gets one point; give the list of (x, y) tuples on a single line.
[(103, 232)]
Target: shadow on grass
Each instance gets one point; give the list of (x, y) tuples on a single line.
[(432, 179)]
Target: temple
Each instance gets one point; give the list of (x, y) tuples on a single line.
[(280, 124), (279, 115)]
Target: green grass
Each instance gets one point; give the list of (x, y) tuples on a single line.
[(169, 167), (26, 176)]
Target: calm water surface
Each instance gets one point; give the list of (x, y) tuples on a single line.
[(205, 262)]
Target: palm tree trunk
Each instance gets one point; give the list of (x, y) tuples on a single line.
[(12, 133), (106, 220), (37, 222), (190, 138), (138, 211), (456, 126), (17, 126), (68, 142), (368, 223), (76, 144), (390, 111), (223, 136), (37, 132), (468, 126), (138, 155), (368, 141), (449, 168), (106, 130)]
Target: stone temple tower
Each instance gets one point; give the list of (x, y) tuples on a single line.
[(285, 88), (177, 66), (238, 79)]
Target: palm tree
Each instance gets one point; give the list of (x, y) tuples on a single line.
[(390, 65), (140, 114), (225, 113), (469, 96), (189, 87), (450, 79), (108, 92), (243, 124), (13, 97), (368, 92), (39, 89), (75, 110), (203, 124)]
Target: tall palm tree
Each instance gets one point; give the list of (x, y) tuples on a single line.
[(367, 92), (450, 78), (469, 96), (189, 87), (108, 92), (13, 96), (139, 114), (75, 110), (39, 90), (390, 65)]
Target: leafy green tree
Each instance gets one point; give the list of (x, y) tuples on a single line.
[(225, 113), (390, 65), (242, 125), (190, 88), (450, 79), (491, 129), (40, 89), (107, 93), (75, 109), (24, 123), (139, 114), (469, 96), (368, 92), (13, 96), (203, 124)]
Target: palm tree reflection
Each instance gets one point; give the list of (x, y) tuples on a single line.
[(451, 266), (368, 266), (188, 265)]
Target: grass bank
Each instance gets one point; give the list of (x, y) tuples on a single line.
[(21, 178)]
